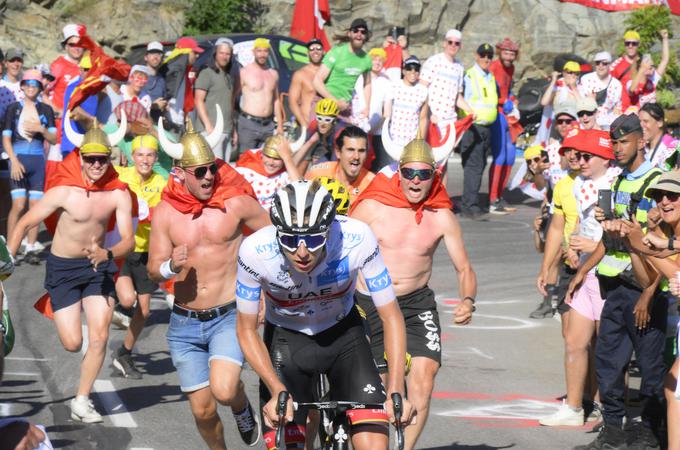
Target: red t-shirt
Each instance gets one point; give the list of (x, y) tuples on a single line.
[(394, 56), (619, 66), (503, 76), (64, 71)]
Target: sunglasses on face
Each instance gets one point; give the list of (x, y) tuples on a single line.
[(535, 160), (658, 196), (454, 43), (201, 172), (631, 43), (363, 31), (486, 56), (422, 174), (291, 242), (569, 72), (316, 49), (325, 119), (412, 67), (92, 160), (581, 156), (601, 63), (71, 44), (585, 113), (564, 121)]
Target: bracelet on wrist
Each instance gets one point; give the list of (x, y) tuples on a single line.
[(166, 269)]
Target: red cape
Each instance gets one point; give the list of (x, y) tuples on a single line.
[(252, 159), (228, 183), (388, 192)]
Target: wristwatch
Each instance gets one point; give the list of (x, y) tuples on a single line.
[(474, 308), (671, 242), (109, 255)]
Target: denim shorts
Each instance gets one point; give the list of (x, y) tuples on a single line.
[(193, 344)]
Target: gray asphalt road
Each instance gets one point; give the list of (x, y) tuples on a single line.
[(499, 374)]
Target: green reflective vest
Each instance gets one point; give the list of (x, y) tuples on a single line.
[(484, 99)]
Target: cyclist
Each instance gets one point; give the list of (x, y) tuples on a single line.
[(307, 264)]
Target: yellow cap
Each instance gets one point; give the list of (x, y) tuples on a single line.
[(145, 141), (85, 61), (379, 52), (533, 151), (572, 66), (631, 35), (261, 43)]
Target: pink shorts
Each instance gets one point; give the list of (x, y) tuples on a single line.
[(587, 300)]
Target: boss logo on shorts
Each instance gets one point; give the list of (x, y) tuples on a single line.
[(432, 335)]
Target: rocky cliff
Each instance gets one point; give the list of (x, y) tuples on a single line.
[(543, 27)]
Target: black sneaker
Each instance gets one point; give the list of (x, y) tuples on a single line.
[(33, 258), (610, 438), (497, 208), (248, 425), (123, 362), (641, 437)]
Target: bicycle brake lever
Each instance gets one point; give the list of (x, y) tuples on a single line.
[(281, 412)]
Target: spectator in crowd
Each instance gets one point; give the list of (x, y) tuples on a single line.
[(475, 146), (379, 91), (215, 86), (10, 85), (260, 103), (623, 66), (592, 149), (351, 151), (406, 106), (82, 117), (27, 125), (302, 96), (563, 89), (502, 146), (586, 110), (565, 118), (443, 75), (319, 145), (342, 65), (641, 88), (268, 169), (396, 47), (661, 149), (134, 88), (179, 77), (155, 87), (604, 88)]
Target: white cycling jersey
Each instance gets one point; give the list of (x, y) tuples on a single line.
[(315, 301)]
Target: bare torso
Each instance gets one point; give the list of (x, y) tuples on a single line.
[(406, 247), (212, 239), (258, 87), (304, 78), (82, 216)]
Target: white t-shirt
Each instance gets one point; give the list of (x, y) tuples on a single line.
[(445, 80), (407, 102), (264, 187), (591, 84), (380, 86)]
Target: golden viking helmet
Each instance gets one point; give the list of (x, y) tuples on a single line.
[(192, 149), (95, 140), (271, 146), (418, 150)]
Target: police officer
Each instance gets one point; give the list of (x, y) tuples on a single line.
[(626, 288), (482, 95)]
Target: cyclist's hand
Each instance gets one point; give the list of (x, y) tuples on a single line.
[(408, 414), (271, 416)]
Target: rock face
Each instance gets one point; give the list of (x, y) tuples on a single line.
[(543, 27)]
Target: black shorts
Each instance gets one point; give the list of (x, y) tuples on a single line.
[(564, 278), (69, 280), (341, 352), (135, 268), (423, 333)]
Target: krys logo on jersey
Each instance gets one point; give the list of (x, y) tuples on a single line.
[(351, 240), (335, 272)]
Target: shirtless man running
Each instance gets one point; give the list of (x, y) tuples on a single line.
[(195, 236), (302, 94), (410, 213), (259, 100), (80, 268)]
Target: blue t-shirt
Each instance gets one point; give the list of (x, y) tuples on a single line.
[(155, 87), (89, 106)]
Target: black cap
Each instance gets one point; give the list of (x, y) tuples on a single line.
[(623, 125), (412, 60), (358, 23), (485, 50), (314, 41)]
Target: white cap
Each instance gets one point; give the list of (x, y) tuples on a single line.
[(154, 46), (140, 68), (71, 30), (603, 56), (454, 34)]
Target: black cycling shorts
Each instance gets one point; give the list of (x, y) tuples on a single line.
[(423, 333), (341, 352), (135, 268)]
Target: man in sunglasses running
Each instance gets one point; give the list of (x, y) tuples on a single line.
[(410, 212), (307, 265), (196, 230)]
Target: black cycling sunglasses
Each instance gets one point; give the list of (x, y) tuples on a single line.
[(92, 160), (658, 196), (410, 67), (585, 113), (578, 156), (410, 174), (632, 43), (202, 171)]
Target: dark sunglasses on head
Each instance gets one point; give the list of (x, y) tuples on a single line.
[(201, 172), (410, 174), (410, 67), (581, 156), (631, 43), (601, 63), (585, 113), (363, 31), (291, 242), (564, 121), (92, 160), (455, 43), (658, 196)]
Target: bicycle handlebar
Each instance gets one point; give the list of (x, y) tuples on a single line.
[(281, 404), (398, 411)]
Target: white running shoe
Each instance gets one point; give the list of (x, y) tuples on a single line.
[(82, 409), (120, 320), (564, 417), (38, 247)]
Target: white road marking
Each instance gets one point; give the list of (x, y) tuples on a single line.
[(519, 323), (118, 413), (22, 374), (469, 351), (20, 358), (5, 409), (518, 409)]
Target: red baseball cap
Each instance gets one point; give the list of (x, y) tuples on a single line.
[(187, 42), (595, 142)]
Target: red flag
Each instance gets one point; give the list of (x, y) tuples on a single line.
[(104, 69), (309, 17), (624, 5)]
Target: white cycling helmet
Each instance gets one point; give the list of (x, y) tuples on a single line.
[(303, 207)]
